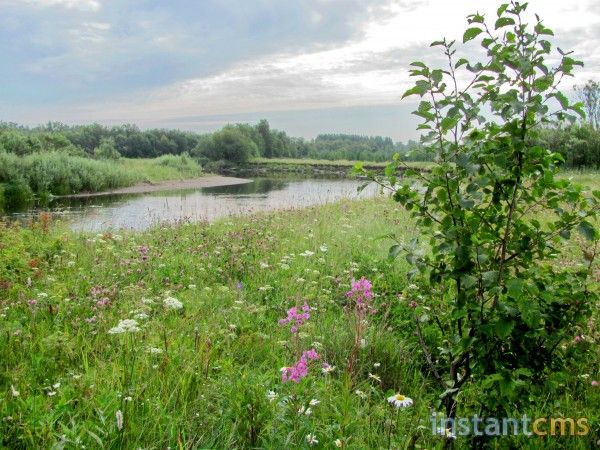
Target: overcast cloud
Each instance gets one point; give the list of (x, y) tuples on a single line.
[(309, 66)]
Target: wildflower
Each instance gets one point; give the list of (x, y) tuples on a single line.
[(141, 316), (172, 303), (314, 402), (264, 265), (119, 417), (125, 326), (307, 253), (155, 351), (271, 396), (375, 377), (127, 399), (595, 383), (304, 411), (32, 302), (446, 432), (300, 369), (323, 248), (191, 286), (327, 369), (239, 286), (338, 443), (296, 318), (400, 401), (360, 393), (91, 319), (311, 439), (412, 304), (377, 365), (13, 391)]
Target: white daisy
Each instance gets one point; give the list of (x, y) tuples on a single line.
[(400, 401), (311, 439)]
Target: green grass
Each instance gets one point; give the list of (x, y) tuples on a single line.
[(199, 377), (164, 168), (326, 162)]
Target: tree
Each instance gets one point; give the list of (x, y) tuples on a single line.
[(265, 133), (107, 149), (231, 144), (496, 312), (589, 95)]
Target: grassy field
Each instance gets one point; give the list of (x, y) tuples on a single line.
[(168, 167), (171, 337)]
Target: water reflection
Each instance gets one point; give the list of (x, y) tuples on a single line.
[(139, 211)]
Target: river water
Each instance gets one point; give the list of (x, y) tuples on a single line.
[(140, 211)]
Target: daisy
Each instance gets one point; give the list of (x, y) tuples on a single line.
[(311, 439), (400, 401)]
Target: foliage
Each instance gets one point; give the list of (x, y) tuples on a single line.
[(107, 149), (578, 144), (230, 144), (492, 295)]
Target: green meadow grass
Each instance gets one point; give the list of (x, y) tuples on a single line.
[(208, 375)]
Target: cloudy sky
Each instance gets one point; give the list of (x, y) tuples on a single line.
[(308, 66)]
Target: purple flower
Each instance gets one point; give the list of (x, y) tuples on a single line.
[(296, 318), (300, 369), (239, 285)]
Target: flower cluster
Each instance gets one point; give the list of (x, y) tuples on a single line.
[(361, 292), (300, 369), (296, 318), (172, 303), (125, 326)]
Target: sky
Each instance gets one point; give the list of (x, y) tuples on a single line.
[(307, 66)]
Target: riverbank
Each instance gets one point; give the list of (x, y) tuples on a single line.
[(308, 167), (168, 185), (172, 337)]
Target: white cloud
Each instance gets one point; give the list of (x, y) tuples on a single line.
[(86, 5)]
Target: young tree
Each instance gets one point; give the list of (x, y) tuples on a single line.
[(497, 306), (107, 149)]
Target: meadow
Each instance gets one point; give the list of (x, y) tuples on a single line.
[(243, 333)]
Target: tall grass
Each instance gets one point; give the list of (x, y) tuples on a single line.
[(201, 376), (58, 173)]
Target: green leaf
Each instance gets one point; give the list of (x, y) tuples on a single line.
[(502, 9), (542, 83), (394, 250), (449, 122), (515, 288), (587, 230), (503, 22), (504, 327), (436, 43), (471, 34)]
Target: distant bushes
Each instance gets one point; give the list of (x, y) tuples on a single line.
[(182, 163), (56, 173)]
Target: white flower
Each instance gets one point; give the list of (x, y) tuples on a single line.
[(264, 265), (363, 343), (377, 365), (375, 377), (360, 393), (51, 393), (13, 391), (172, 303), (271, 396), (314, 402), (338, 443), (141, 316), (127, 399), (311, 439), (327, 369), (446, 432), (191, 286), (125, 326), (56, 385), (119, 417), (323, 248), (147, 301), (307, 253), (155, 351), (400, 401)]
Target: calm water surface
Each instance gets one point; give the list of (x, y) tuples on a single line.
[(139, 211)]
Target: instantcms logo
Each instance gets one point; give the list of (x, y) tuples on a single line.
[(491, 426)]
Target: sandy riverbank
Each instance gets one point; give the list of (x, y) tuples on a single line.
[(194, 183)]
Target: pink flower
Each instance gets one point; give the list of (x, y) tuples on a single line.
[(296, 318), (578, 338), (412, 304), (360, 291), (595, 383), (32, 302), (300, 369)]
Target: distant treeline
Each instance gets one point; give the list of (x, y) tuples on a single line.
[(579, 144), (236, 143)]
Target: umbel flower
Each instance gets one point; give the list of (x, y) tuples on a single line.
[(400, 401), (125, 326)]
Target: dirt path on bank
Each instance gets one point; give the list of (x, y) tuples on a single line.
[(142, 188)]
